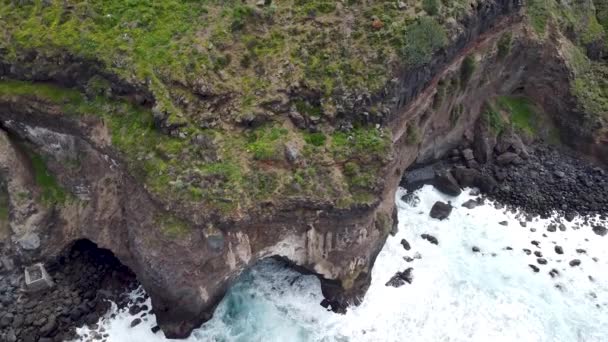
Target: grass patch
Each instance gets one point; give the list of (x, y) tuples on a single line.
[(591, 90), (51, 192), (493, 118), (315, 139), (539, 13), (521, 111), (172, 227), (362, 143), (467, 69), (265, 143)]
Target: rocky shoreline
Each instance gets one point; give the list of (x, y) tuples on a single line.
[(539, 179), (85, 280)]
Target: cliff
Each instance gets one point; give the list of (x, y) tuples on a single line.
[(193, 139)]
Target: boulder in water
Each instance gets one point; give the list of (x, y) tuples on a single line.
[(441, 210), (470, 204), (430, 238), (599, 230), (405, 244), (446, 183), (135, 322), (400, 278)]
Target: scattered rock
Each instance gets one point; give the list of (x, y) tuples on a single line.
[(541, 261), (538, 254), (534, 268), (559, 250), (575, 262), (553, 273), (292, 153), (507, 158), (135, 322), (405, 244), (400, 278), (470, 204), (475, 249), (430, 238), (503, 223)]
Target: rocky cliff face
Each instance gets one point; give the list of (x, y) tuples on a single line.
[(190, 181)]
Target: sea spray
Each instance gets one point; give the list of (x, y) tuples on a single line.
[(491, 294)]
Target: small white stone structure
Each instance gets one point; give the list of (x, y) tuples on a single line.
[(37, 279)]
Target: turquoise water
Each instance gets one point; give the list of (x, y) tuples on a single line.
[(456, 295)]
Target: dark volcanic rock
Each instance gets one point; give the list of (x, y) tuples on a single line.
[(405, 244), (446, 183), (80, 273), (551, 179), (559, 250), (430, 238), (441, 210), (575, 262), (507, 158), (468, 177), (135, 322), (599, 230), (400, 278), (534, 268), (470, 204)]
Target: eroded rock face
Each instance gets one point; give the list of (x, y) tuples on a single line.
[(186, 276), (186, 263)]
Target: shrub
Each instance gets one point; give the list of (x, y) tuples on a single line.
[(504, 45), (412, 135), (467, 69), (431, 6), (316, 139), (351, 169), (421, 40)]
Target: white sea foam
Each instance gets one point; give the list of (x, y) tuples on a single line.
[(456, 294)]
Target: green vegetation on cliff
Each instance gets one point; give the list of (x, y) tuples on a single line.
[(213, 67), (522, 115), (586, 23), (51, 192), (180, 50), (580, 19)]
